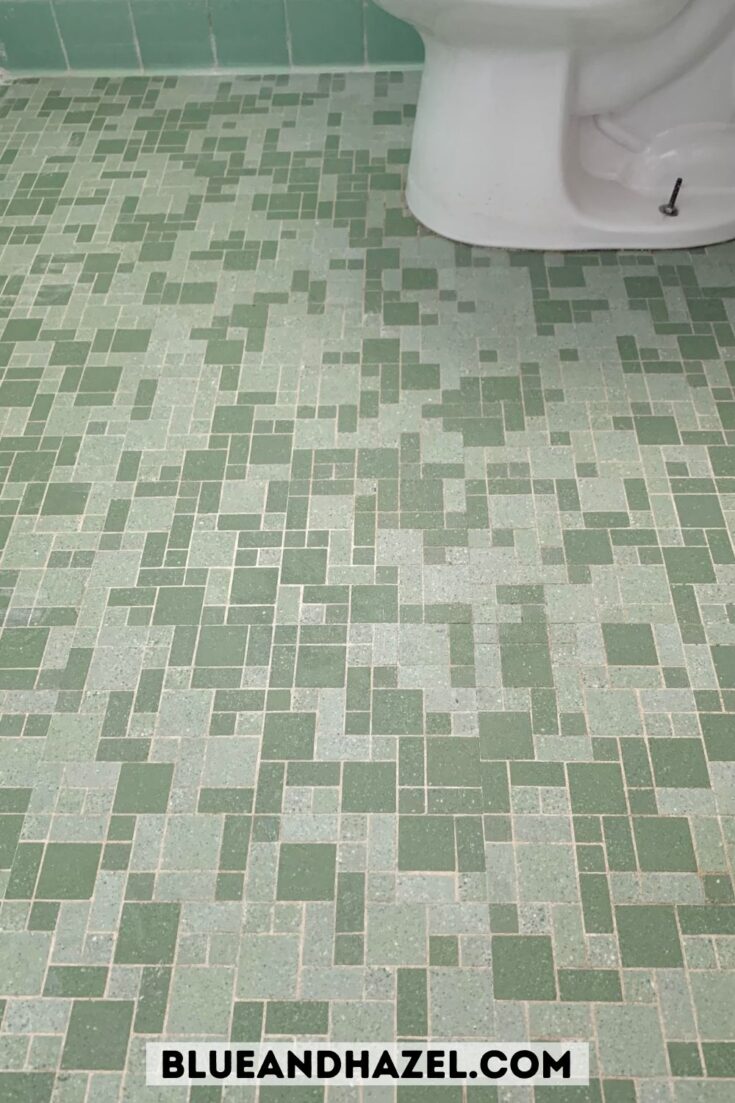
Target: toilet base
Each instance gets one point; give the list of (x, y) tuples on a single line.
[(703, 220), (498, 159)]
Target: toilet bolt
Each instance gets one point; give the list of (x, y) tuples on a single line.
[(670, 209)]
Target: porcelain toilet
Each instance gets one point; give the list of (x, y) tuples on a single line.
[(565, 124)]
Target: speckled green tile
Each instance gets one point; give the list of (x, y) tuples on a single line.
[(367, 655)]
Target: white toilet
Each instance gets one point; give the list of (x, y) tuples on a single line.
[(565, 124)]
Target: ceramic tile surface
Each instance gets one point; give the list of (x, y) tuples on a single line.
[(368, 653)]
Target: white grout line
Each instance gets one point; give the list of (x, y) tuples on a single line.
[(214, 71)]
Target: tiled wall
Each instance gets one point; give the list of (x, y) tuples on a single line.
[(200, 34)]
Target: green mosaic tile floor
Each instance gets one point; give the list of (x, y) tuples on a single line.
[(368, 656)]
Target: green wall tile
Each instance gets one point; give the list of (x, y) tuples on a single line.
[(390, 39), (326, 32), (97, 34), (252, 33), (30, 37), (173, 34)]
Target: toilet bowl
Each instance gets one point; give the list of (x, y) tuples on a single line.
[(565, 124)]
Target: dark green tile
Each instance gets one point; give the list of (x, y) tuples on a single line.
[(369, 787), (68, 871), (648, 936), (306, 871), (523, 968), (97, 1035), (664, 844), (147, 934), (426, 843)]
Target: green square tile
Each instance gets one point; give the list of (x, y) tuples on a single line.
[(16, 392), (398, 712), (306, 871), (718, 888), (31, 467), (97, 1035), (289, 735), (443, 950), (699, 511), (722, 460), (684, 1059), (369, 787), (419, 376), (22, 329), (589, 547), (552, 311), (426, 843), (65, 499), (503, 917), (26, 1087), (178, 605), (526, 666), (698, 348), (630, 645), (254, 586), (247, 1021), (452, 761), (679, 763), (147, 934), (648, 937), (685, 565), (664, 844), (505, 735), (321, 665), (656, 430), (219, 646), (643, 287), (379, 463), (237, 420), (523, 968), (203, 464), (304, 566), (43, 917), (374, 605), (143, 787), (274, 449), (22, 648), (597, 788), (68, 871)]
